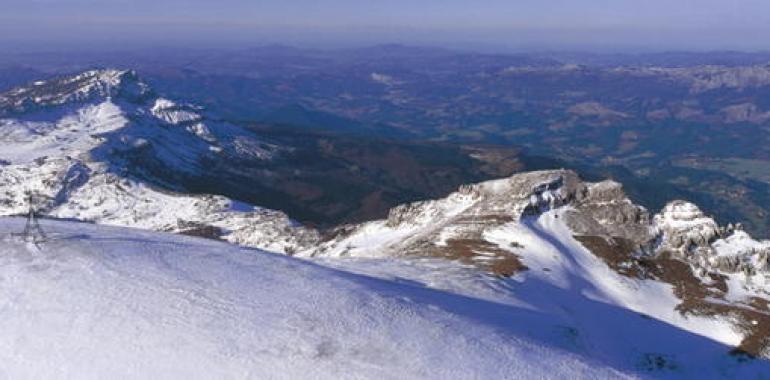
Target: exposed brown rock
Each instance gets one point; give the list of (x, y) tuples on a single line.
[(201, 230), (753, 318), (483, 254)]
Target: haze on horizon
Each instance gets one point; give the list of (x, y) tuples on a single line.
[(484, 24)]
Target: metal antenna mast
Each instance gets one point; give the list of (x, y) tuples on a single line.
[(33, 232)]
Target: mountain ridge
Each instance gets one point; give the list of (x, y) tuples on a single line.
[(513, 226), (85, 155), (76, 151)]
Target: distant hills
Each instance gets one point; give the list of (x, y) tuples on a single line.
[(689, 124)]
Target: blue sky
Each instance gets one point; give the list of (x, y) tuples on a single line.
[(646, 24)]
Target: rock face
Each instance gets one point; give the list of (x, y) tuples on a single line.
[(75, 142), (455, 227), (589, 209), (459, 225), (685, 231), (605, 210), (88, 86)]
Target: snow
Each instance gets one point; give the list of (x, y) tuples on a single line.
[(172, 113), (569, 287), (71, 135), (383, 239), (86, 192), (567, 297), (687, 218), (738, 243), (101, 302), (60, 91), (556, 258), (70, 154)]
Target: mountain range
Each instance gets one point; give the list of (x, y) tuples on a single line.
[(673, 288), (666, 125)]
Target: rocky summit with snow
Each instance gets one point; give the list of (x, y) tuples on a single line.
[(678, 266), (74, 143), (538, 275)]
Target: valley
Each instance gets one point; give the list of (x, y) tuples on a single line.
[(629, 117)]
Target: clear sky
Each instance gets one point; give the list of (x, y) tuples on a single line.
[(528, 24)]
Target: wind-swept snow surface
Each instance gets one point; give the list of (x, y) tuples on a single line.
[(105, 302), (98, 302)]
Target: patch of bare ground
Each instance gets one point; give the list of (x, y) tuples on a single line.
[(201, 230), (483, 254), (616, 253), (699, 297), (472, 249), (759, 304)]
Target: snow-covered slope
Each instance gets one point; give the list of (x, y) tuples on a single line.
[(96, 302), (74, 143), (550, 230)]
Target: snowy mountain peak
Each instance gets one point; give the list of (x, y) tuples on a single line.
[(515, 196), (551, 227), (101, 147), (463, 225), (94, 85)]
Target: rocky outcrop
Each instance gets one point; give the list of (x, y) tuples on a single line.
[(459, 226), (455, 227), (605, 210), (591, 210), (87, 86), (685, 230)]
